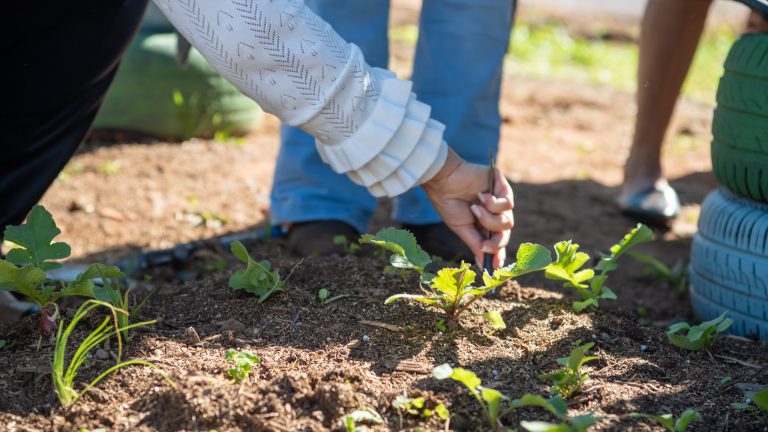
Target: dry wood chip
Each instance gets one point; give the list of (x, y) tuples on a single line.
[(390, 327), (408, 366)]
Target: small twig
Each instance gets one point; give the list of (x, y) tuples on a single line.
[(741, 362), (390, 327), (334, 298), (292, 270)]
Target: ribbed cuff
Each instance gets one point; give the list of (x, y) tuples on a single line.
[(398, 147)]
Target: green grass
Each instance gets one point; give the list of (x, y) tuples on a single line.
[(548, 51)]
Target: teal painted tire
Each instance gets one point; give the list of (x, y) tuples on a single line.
[(153, 95), (729, 263), (740, 122)]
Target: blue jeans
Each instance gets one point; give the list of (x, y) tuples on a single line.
[(457, 71)]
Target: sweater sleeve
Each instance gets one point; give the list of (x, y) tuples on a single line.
[(367, 123)]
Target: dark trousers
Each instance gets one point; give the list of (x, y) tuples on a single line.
[(58, 60)]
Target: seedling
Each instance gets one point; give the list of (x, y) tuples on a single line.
[(567, 381), (244, 362), (568, 263), (349, 246), (2, 343), (64, 374), (557, 407), (415, 407), (350, 421), (23, 270), (676, 276), (669, 422), (490, 399), (451, 289), (496, 320), (756, 403), (700, 336), (325, 296), (257, 278), (111, 292)]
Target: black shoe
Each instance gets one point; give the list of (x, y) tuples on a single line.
[(438, 239), (317, 237)]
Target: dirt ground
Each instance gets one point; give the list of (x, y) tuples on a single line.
[(563, 145)]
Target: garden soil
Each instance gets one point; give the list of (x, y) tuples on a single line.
[(563, 145)]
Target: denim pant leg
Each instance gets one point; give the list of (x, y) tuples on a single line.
[(457, 71), (304, 187)]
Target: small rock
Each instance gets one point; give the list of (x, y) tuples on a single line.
[(190, 334), (643, 348), (232, 325), (366, 338), (102, 354), (495, 372)]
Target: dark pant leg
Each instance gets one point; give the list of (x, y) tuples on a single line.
[(59, 58)]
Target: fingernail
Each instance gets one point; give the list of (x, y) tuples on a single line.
[(480, 196), (486, 249), (475, 210)]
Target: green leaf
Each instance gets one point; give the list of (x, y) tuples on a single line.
[(24, 280), (365, 416), (2, 343), (639, 235), (540, 426), (442, 371), (666, 420), (583, 422), (256, 278), (493, 399), (577, 357), (607, 294), (531, 257), (495, 319), (686, 418), (442, 412), (403, 244), (760, 399), (556, 405), (415, 297), (580, 306), (684, 343), (84, 285), (567, 265), (451, 281), (468, 378), (36, 240)]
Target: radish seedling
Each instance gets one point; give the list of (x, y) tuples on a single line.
[(415, 407), (676, 276), (244, 362), (406, 253), (490, 399), (756, 404), (700, 336), (257, 278), (349, 247), (64, 378), (669, 422), (568, 263), (558, 408), (350, 421), (567, 381), (23, 270)]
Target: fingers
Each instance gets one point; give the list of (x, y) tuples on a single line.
[(493, 222), (496, 204)]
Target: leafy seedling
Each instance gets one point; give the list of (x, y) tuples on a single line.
[(406, 252), (23, 270), (591, 286), (756, 404), (558, 408), (111, 292), (351, 421), (244, 362), (676, 276), (490, 399), (699, 336), (496, 320), (64, 374), (568, 381), (257, 278), (350, 247), (416, 407), (669, 422), (452, 290), (325, 296)]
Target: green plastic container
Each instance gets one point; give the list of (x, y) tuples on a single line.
[(154, 95)]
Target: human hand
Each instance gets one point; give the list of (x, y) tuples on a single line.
[(459, 194)]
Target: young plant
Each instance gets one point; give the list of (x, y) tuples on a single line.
[(452, 289), (350, 421), (756, 403), (558, 408), (349, 247), (700, 336), (415, 407), (568, 263), (669, 422), (23, 270), (490, 399), (676, 276), (257, 278), (567, 381), (111, 292), (244, 363), (64, 374)]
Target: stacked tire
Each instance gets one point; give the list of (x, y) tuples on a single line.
[(729, 257), (154, 94)]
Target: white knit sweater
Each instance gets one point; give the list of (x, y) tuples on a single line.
[(366, 122)]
